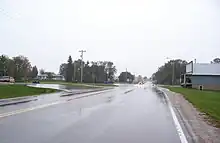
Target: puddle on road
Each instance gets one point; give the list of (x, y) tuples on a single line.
[(52, 86), (66, 88)]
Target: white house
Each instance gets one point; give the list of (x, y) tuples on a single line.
[(58, 77), (42, 77), (54, 77)]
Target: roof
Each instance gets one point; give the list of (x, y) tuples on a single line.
[(201, 74), (203, 69)]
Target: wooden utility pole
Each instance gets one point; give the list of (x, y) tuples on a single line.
[(126, 75), (82, 51)]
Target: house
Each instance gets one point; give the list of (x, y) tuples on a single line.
[(42, 77), (201, 76), (52, 77), (58, 77)]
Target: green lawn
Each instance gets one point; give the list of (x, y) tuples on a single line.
[(206, 101), (10, 91)]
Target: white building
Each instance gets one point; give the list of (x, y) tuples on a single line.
[(58, 77), (42, 77), (202, 76), (54, 77)]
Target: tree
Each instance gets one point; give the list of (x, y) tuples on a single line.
[(164, 73), (69, 70), (145, 78), (34, 72), (50, 75), (11, 68), (88, 73), (42, 71), (93, 71), (77, 70), (62, 70), (18, 67), (4, 62), (139, 78), (110, 70), (22, 67), (216, 61), (126, 77)]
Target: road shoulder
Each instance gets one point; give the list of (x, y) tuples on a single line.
[(17, 100), (198, 129)]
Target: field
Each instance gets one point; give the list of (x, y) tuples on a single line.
[(11, 91)]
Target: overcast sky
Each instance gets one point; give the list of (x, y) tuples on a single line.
[(134, 34)]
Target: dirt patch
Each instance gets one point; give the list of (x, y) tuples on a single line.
[(198, 122)]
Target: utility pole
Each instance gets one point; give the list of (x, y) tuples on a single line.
[(126, 75), (173, 72), (82, 51), (74, 71)]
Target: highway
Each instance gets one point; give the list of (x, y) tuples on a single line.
[(123, 115)]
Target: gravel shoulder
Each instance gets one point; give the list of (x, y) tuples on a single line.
[(198, 129)]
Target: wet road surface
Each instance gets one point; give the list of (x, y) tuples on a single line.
[(139, 116)]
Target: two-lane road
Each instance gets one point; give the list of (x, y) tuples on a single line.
[(138, 116)]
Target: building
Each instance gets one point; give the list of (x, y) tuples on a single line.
[(42, 77), (52, 77), (58, 77), (201, 76)]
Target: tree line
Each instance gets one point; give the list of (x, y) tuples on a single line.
[(18, 67), (164, 73), (177, 67), (93, 72)]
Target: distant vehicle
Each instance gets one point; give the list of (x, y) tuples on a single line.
[(140, 83), (36, 81), (7, 79), (108, 82)]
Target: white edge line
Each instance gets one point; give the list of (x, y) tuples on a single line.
[(176, 122)]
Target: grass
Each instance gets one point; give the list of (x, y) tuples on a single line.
[(11, 91), (207, 102)]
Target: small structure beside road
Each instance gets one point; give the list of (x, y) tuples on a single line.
[(201, 76)]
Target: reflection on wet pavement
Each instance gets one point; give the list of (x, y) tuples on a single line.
[(65, 88), (52, 97), (160, 95), (138, 116)]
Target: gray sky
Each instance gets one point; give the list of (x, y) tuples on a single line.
[(134, 34)]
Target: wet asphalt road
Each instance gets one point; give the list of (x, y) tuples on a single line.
[(138, 116)]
